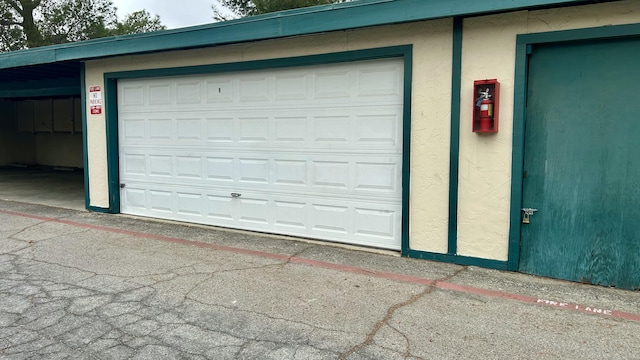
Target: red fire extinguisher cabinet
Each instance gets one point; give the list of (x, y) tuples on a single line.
[(486, 120)]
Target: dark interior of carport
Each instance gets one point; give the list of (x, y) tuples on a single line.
[(41, 151)]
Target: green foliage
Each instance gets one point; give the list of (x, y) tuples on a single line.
[(267, 6), (242, 8), (33, 23), (75, 20), (138, 22)]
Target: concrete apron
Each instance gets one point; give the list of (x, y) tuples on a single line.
[(41, 185), (89, 285)]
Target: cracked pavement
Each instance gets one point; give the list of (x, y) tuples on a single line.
[(87, 286)]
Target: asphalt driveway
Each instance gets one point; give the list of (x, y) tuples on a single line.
[(82, 285)]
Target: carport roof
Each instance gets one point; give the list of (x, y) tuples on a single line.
[(32, 63)]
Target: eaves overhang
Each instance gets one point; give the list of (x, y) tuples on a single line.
[(313, 20)]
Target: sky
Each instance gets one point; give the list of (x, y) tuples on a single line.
[(173, 14)]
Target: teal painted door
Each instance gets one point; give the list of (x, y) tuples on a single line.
[(582, 163)]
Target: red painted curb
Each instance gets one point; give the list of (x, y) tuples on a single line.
[(351, 269)]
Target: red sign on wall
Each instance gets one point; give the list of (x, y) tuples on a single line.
[(95, 100)]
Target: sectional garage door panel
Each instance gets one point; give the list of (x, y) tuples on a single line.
[(307, 151)]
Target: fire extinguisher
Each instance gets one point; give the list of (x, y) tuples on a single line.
[(486, 111)]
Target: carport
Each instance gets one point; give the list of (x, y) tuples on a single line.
[(41, 146)]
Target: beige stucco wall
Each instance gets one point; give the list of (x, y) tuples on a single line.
[(430, 123), (485, 160)]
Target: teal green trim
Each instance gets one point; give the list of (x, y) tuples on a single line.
[(113, 162), (356, 55), (517, 166), (335, 17), (405, 52), (525, 44), (42, 55), (454, 151), (603, 32), (42, 92), (36, 84), (406, 148), (41, 88), (459, 260), (85, 142), (99, 210)]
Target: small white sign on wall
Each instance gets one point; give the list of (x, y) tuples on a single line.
[(95, 100)]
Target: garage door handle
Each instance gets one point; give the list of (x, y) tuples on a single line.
[(235, 195)]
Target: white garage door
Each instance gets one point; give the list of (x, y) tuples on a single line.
[(311, 151)]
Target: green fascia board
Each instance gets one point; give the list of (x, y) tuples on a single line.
[(350, 15), (43, 55)]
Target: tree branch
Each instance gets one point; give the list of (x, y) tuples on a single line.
[(9, 22)]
